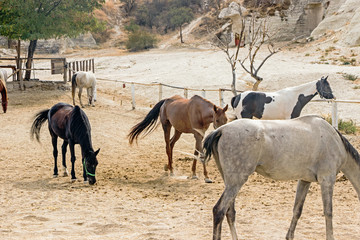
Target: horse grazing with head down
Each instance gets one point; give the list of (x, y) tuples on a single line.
[(3, 90), (283, 104), (307, 149), (72, 125), (84, 80), (192, 115)]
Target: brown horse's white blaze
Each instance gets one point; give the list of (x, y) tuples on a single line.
[(307, 149), (192, 115)]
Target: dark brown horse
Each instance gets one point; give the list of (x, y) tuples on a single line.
[(3, 91), (192, 115), (72, 125)]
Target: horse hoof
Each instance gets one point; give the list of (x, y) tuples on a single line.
[(166, 168), (93, 105), (55, 176), (194, 177), (73, 180), (172, 174), (86, 182), (208, 180), (65, 174)]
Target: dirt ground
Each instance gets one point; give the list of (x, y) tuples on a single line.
[(133, 197)]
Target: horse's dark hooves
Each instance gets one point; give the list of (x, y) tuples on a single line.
[(73, 180), (208, 180), (55, 176)]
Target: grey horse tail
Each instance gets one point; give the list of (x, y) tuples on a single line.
[(73, 80), (40, 118), (350, 148), (210, 145)]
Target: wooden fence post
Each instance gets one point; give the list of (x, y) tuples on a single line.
[(221, 97), (65, 70), (186, 92), (77, 66), (160, 92), (21, 76), (334, 115), (203, 93), (93, 65), (133, 96)]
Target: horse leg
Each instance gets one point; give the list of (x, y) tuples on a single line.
[(92, 97), (63, 149), (198, 151), (55, 153), (230, 216), (80, 92), (167, 129), (73, 158), (224, 206), (301, 192), (327, 188), (173, 140)]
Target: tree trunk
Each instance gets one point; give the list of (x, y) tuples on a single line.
[(233, 85), (31, 51), (181, 38), (256, 85)]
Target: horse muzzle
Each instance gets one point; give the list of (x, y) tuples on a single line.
[(92, 180)]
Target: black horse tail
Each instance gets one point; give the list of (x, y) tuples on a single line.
[(148, 124), (350, 148), (73, 86), (210, 145), (40, 118)]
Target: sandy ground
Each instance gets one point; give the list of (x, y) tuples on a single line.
[(134, 198)]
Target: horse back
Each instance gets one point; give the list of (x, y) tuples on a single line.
[(302, 148), (58, 119), (85, 79)]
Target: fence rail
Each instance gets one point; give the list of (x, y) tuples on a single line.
[(334, 102)]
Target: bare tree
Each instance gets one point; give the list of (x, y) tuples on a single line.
[(253, 35), (259, 35)]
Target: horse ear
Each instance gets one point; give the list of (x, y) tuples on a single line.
[(97, 151), (225, 108), (215, 109)]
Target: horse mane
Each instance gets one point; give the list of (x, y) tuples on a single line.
[(80, 125), (350, 148)]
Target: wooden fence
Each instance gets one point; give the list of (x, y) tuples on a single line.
[(80, 65), (221, 91)]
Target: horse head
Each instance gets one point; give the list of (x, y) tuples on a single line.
[(219, 116), (90, 162), (324, 89)]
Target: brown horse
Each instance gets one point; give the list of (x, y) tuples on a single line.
[(192, 115), (3, 90)]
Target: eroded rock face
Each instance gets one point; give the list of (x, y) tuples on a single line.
[(304, 18), (343, 16)]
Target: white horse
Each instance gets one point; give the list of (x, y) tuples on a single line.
[(283, 104), (307, 149), (84, 80)]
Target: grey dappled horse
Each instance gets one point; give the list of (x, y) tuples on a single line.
[(307, 149), (283, 104)]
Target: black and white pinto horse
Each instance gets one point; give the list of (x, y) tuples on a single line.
[(72, 125), (283, 104), (84, 80), (307, 149)]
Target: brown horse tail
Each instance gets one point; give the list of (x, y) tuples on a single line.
[(73, 86), (148, 124), (40, 118)]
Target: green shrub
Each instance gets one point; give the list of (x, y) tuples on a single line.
[(140, 40), (350, 77), (347, 127)]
